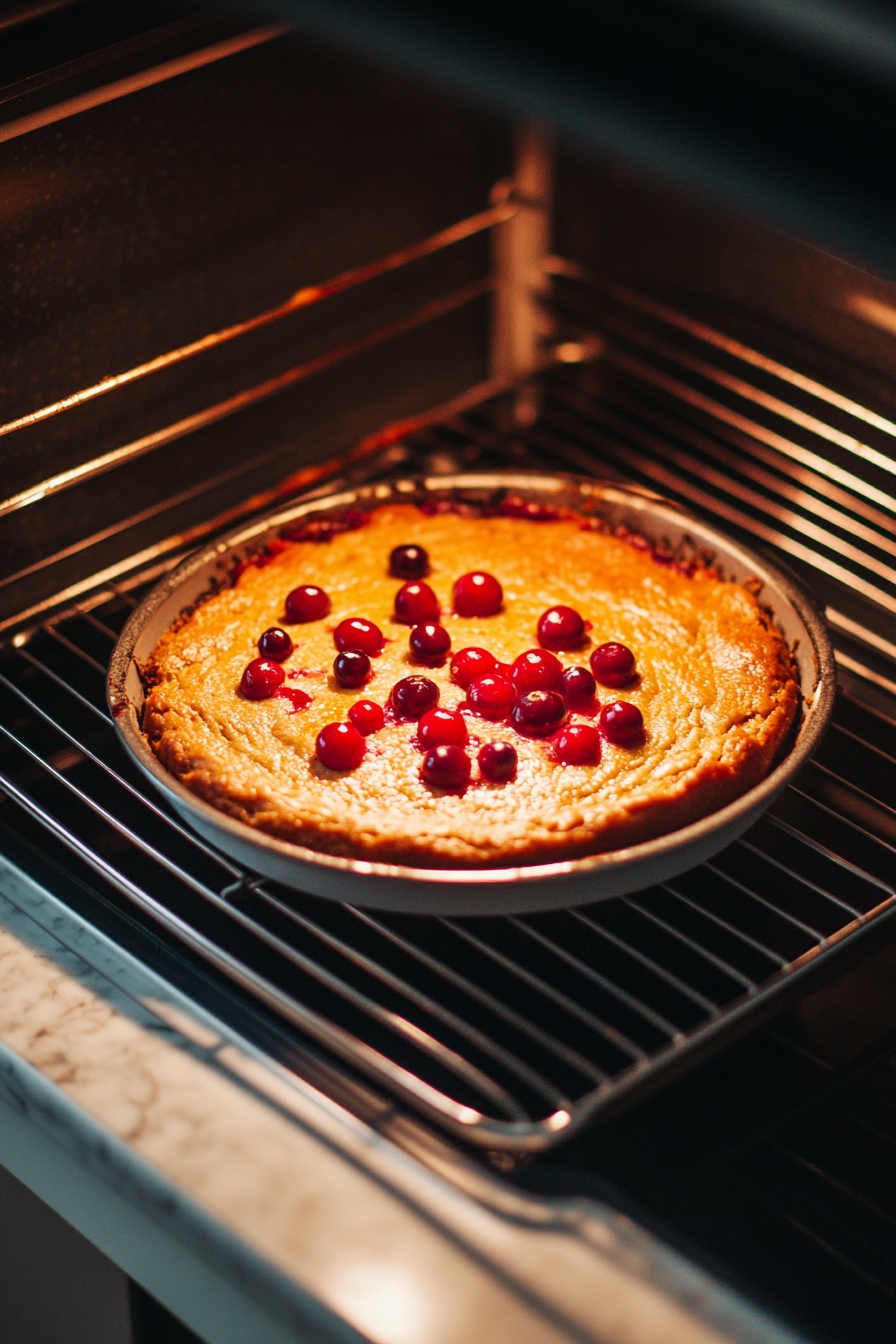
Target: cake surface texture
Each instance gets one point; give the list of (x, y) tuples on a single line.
[(713, 680)]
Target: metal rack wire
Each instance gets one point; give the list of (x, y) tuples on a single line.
[(511, 1032), (711, 422), (162, 520), (776, 1157), (805, 1192)]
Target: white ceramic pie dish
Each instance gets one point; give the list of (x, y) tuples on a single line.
[(493, 890)]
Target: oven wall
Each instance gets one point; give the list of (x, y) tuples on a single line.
[(818, 312), (140, 225)]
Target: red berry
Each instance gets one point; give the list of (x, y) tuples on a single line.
[(351, 669), (621, 722), (468, 664), (579, 744), (477, 594), (577, 686), (413, 696), (497, 761), (261, 679), (561, 628), (491, 696), (536, 670), (358, 636), (409, 562), (613, 664), (430, 644), (275, 643), (447, 767), (416, 602), (367, 716), (538, 714), (443, 728), (308, 603), (340, 746)]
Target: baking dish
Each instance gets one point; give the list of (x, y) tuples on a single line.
[(487, 891)]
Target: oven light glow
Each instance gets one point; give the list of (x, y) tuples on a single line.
[(570, 352), (559, 1120), (576, 352), (872, 310)]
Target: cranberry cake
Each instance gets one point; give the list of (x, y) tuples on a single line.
[(448, 691)]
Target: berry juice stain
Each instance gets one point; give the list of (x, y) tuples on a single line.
[(297, 698)]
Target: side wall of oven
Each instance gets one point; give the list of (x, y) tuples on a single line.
[(133, 228)]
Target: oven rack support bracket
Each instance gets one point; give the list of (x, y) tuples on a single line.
[(521, 324)]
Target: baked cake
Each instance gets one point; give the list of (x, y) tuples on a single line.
[(448, 691)]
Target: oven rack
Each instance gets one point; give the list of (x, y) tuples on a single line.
[(787, 1186), (511, 1032), (70, 543), (778, 1156), (709, 421)]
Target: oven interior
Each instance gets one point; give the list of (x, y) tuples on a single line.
[(243, 266)]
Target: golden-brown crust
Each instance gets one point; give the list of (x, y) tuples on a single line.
[(716, 686)]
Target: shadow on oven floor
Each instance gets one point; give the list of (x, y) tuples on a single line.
[(774, 1163)]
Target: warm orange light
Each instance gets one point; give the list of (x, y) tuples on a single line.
[(873, 310)]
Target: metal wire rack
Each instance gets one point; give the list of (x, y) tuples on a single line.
[(778, 1156), (711, 422), (512, 1032), (813, 1182)]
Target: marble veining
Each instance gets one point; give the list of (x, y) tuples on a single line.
[(285, 1191), (291, 1199)]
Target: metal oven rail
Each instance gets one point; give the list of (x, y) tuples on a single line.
[(514, 1032)]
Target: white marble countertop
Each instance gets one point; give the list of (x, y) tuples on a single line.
[(256, 1208)]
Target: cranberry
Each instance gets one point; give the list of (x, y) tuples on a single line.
[(443, 728), (308, 603), (351, 668), (367, 716), (261, 679), (415, 602), (409, 562), (430, 644), (468, 664), (340, 746), (358, 636), (491, 696), (477, 594), (621, 722), (497, 761), (538, 714), (275, 643), (413, 696), (447, 767), (561, 628), (579, 744), (536, 670), (613, 664), (577, 686)]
